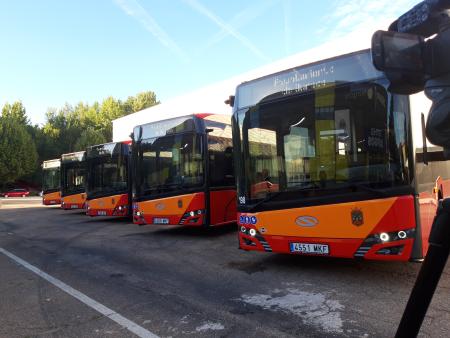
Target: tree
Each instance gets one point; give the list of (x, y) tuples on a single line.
[(89, 137), (18, 156), (16, 111), (140, 101), (67, 129)]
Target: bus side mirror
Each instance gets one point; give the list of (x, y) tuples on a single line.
[(230, 100)]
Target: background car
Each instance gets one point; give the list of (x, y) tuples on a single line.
[(16, 193)]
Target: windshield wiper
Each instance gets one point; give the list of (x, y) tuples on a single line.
[(264, 200), (312, 185), (305, 186), (363, 186)]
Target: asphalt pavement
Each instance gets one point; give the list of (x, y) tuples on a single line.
[(187, 282)]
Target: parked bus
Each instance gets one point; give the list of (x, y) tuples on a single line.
[(326, 164), (51, 182), (73, 176), (108, 188), (184, 173)]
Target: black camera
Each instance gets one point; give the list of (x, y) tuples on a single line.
[(415, 55)]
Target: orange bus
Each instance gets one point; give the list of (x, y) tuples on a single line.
[(73, 176), (327, 165), (108, 187), (51, 182), (183, 171)]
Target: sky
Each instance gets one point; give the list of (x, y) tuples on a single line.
[(55, 52)]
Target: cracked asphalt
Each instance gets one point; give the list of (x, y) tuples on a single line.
[(184, 282)]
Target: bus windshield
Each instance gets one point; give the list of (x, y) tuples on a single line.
[(339, 135), (170, 163), (73, 176), (51, 180), (107, 175)]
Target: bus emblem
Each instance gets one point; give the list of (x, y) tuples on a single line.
[(160, 206), (307, 221), (357, 217)]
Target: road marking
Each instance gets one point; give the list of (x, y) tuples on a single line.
[(107, 312)]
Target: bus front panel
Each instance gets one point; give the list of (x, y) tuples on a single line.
[(324, 163), (186, 210), (51, 198), (74, 201), (382, 229), (115, 205), (108, 180)]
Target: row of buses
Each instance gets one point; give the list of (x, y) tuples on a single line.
[(320, 159)]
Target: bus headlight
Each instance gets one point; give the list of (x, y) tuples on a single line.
[(192, 214), (138, 213), (384, 237), (243, 229), (252, 232), (402, 234)]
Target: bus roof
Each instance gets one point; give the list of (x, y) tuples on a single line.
[(167, 126), (105, 149), (49, 164), (356, 66), (78, 156)]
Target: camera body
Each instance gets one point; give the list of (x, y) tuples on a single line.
[(413, 61)]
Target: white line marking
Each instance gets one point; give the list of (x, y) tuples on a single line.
[(107, 312)]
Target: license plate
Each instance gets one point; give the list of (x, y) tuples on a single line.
[(310, 248), (74, 206), (157, 220), (101, 213), (52, 202)]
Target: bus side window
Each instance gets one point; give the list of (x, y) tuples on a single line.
[(221, 161)]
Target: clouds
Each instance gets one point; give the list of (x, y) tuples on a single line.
[(357, 19), (136, 11), (360, 16), (225, 27)]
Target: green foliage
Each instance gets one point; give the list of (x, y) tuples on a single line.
[(90, 137), (18, 155), (141, 101), (75, 128), (23, 147), (16, 111)]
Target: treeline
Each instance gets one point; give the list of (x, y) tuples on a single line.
[(24, 146)]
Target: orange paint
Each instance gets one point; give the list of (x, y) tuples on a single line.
[(334, 221), (171, 210), (52, 198), (349, 230), (75, 201), (116, 205)]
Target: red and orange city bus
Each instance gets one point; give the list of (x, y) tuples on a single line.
[(327, 165), (108, 187), (183, 171), (73, 177), (51, 182)]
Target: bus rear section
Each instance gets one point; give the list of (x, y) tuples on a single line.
[(108, 185), (184, 172), (51, 182), (325, 164), (73, 177)]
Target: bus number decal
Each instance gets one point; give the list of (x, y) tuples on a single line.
[(248, 219)]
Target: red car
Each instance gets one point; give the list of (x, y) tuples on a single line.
[(16, 193)]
